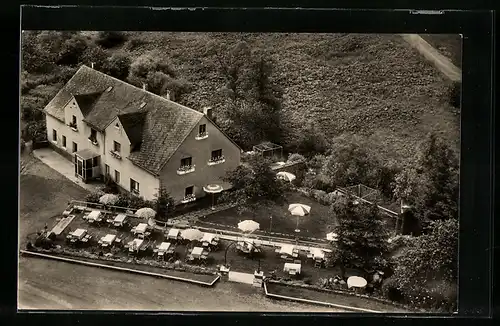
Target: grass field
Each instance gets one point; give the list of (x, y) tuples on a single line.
[(317, 224)]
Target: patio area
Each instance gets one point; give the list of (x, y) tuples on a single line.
[(96, 232)]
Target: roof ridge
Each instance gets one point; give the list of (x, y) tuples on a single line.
[(145, 91)]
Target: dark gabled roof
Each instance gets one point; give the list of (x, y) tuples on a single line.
[(133, 124), (164, 126), (86, 101)]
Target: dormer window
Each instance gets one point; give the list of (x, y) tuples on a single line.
[(117, 125), (143, 104), (72, 124), (202, 132), (109, 89)]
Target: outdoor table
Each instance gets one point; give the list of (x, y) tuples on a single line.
[(78, 234), (292, 269), (108, 240), (119, 220), (173, 234), (356, 282), (197, 252), (94, 216), (163, 247), (207, 239), (317, 254), (289, 250), (141, 228), (135, 244)]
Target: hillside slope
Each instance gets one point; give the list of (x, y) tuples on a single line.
[(375, 86)]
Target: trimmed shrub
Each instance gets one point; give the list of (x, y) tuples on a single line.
[(296, 157), (93, 197)]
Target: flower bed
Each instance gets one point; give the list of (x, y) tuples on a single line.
[(171, 269), (339, 297)]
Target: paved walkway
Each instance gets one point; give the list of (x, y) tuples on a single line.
[(430, 53), (59, 163), (238, 277)]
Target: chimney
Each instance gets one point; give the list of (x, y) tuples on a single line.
[(168, 95), (92, 65), (207, 111), (143, 86)]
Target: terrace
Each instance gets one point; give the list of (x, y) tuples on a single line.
[(106, 238)]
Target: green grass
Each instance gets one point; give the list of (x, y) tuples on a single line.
[(317, 224)]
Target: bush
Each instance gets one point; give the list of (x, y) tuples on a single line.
[(110, 39), (110, 186), (391, 291), (295, 157), (96, 55), (72, 50), (93, 197), (35, 131), (134, 43)]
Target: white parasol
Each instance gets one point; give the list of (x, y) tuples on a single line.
[(145, 213), (299, 210), (356, 281), (248, 226), (287, 176), (192, 234), (213, 189)]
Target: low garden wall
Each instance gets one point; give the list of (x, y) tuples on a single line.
[(340, 291)]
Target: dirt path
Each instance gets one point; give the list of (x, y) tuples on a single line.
[(430, 53)]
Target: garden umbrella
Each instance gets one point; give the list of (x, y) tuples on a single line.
[(299, 210), (287, 176), (213, 189), (108, 199), (248, 226), (356, 281), (332, 236), (145, 213), (192, 234)]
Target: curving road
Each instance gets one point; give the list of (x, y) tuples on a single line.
[(430, 53)]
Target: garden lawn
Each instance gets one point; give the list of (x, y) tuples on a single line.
[(333, 298), (316, 224)]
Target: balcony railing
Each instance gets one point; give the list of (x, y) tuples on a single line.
[(201, 135), (115, 155), (93, 141), (185, 169), (73, 126), (216, 160), (188, 199)]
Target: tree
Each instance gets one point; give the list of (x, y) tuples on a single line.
[(431, 185), (361, 244), (254, 186), (311, 142), (72, 50), (164, 204), (428, 260), (117, 65), (110, 39)]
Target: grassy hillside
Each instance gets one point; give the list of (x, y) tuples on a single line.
[(375, 86)]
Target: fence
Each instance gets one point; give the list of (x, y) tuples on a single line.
[(110, 208)]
